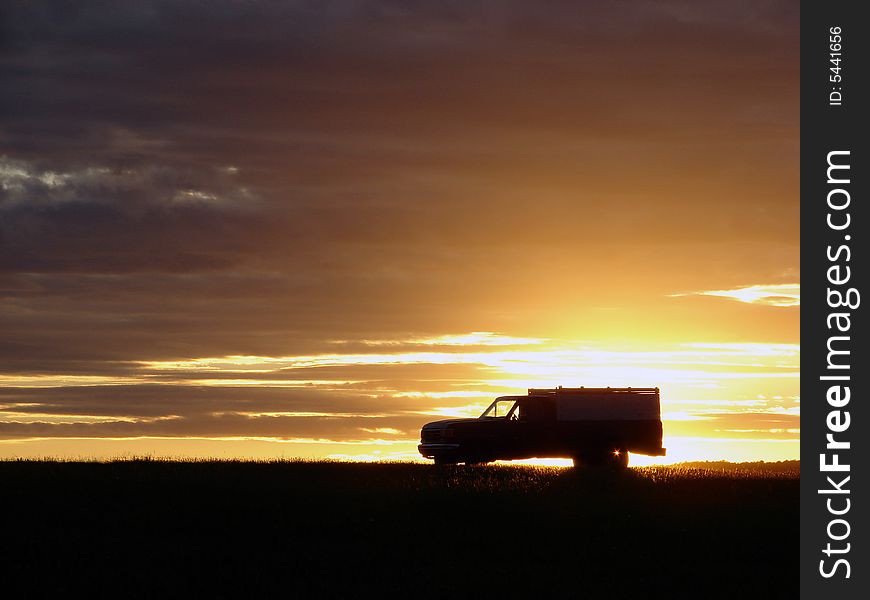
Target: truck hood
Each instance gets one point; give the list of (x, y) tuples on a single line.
[(445, 423)]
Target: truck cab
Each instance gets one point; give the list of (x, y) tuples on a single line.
[(592, 426)]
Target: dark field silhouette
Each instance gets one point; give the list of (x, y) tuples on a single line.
[(318, 529)]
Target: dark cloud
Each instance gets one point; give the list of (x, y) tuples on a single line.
[(313, 427), (341, 412), (118, 221)]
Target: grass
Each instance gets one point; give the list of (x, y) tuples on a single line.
[(324, 529)]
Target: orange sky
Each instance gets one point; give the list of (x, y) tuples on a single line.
[(305, 231)]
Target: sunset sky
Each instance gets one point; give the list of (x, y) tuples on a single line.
[(263, 229)]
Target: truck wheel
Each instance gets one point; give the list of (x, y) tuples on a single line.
[(443, 460), (618, 461)]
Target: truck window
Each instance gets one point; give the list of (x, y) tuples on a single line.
[(501, 408)]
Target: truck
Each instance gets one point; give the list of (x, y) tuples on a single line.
[(593, 426)]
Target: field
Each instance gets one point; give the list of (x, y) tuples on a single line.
[(318, 529)]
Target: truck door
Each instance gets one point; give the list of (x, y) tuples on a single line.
[(518, 434), (514, 433)]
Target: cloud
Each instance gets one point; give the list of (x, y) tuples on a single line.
[(782, 295)]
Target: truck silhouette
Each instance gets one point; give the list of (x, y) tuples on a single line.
[(593, 426)]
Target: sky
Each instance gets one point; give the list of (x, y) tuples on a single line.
[(304, 229)]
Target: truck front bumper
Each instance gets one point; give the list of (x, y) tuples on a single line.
[(431, 450)]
